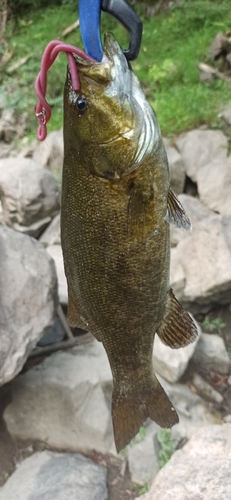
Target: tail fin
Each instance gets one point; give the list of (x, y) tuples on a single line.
[(130, 410)]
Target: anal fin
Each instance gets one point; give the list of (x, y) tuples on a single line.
[(175, 213), (177, 328)]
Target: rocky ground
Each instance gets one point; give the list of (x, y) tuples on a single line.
[(55, 406)]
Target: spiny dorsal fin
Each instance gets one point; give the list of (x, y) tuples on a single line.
[(177, 328), (175, 213)]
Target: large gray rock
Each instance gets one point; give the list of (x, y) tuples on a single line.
[(28, 289), (65, 401), (56, 476), (143, 458), (196, 212), (214, 184), (211, 354), (202, 260), (172, 363), (205, 154), (28, 193), (49, 153), (192, 410), (176, 166), (199, 148), (199, 471)]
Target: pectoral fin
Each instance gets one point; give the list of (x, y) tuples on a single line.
[(175, 213), (177, 328)]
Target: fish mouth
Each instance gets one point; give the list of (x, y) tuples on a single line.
[(113, 67)]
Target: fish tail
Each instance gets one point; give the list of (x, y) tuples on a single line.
[(130, 409)]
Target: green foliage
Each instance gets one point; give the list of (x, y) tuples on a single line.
[(172, 46), (139, 437), (20, 7), (167, 446), (213, 325), (144, 489), (173, 43)]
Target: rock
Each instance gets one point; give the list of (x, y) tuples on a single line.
[(199, 471), (10, 127), (205, 389), (28, 193), (28, 298), (192, 410), (34, 229), (5, 149), (56, 476), (196, 212), (199, 148), (143, 457), (205, 256), (226, 115), (65, 401), (177, 275), (172, 363), (200, 271), (219, 45), (177, 169), (49, 153), (52, 334), (206, 76), (51, 235), (26, 148), (55, 251), (214, 184), (227, 419), (211, 354), (8, 133)]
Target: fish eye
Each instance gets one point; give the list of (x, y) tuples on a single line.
[(81, 104)]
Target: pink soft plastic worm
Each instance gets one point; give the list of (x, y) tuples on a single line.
[(43, 110)]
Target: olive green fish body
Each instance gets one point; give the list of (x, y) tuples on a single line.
[(115, 218)]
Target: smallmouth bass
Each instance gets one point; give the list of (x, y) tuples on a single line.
[(117, 205)]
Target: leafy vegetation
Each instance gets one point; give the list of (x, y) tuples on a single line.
[(144, 489), (139, 437), (173, 43), (167, 446), (213, 325)]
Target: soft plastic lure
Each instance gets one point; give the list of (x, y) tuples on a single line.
[(43, 109)]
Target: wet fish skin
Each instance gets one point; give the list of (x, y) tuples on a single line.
[(115, 236)]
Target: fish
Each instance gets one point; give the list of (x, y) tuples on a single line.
[(116, 209)]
